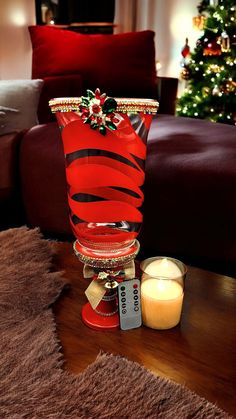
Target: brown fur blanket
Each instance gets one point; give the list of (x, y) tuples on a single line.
[(33, 383)]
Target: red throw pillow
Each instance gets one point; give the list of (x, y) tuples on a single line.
[(120, 65)]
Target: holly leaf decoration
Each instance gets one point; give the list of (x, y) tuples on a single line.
[(88, 120), (102, 130), (90, 94), (85, 101), (109, 105), (110, 125), (94, 126)]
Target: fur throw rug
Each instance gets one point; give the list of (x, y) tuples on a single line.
[(33, 383)]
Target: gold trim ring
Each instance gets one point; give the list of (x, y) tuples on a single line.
[(106, 262), (124, 105)]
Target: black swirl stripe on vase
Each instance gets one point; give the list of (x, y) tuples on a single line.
[(105, 175)]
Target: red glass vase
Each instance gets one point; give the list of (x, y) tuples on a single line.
[(105, 175)]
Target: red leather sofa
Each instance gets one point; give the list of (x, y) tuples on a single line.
[(190, 204)]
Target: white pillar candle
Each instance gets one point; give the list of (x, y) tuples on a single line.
[(161, 301), (161, 294), (163, 267)]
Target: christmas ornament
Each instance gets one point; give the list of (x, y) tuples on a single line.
[(186, 49), (214, 68), (225, 42), (205, 91), (185, 52), (212, 48), (229, 86), (98, 111), (199, 22), (185, 73), (216, 91)]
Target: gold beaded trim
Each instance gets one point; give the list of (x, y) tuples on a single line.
[(125, 105), (97, 262), (149, 106)]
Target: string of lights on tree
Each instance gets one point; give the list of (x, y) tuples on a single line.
[(210, 70)]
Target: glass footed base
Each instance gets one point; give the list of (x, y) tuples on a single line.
[(108, 259), (97, 321)]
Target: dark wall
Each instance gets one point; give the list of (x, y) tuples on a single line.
[(70, 11), (91, 11)]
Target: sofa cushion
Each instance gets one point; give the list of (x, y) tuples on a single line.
[(190, 201), (11, 211), (8, 164), (19, 103), (120, 65), (43, 181), (189, 206)]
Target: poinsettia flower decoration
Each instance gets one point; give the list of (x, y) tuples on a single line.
[(98, 111)]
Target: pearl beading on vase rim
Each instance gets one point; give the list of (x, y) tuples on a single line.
[(124, 105)]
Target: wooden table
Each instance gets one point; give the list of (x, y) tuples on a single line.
[(200, 352)]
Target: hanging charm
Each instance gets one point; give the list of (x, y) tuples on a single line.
[(185, 52), (98, 111), (225, 42)]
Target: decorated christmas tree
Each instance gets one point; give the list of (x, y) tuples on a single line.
[(210, 70)]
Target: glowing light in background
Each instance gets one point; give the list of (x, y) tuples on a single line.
[(181, 24), (158, 66), (17, 17)]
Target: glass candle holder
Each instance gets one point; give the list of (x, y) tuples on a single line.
[(162, 291)]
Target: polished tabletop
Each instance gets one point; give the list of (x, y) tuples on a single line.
[(200, 352)]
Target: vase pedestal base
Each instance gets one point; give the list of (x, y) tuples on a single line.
[(97, 321), (108, 269)]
